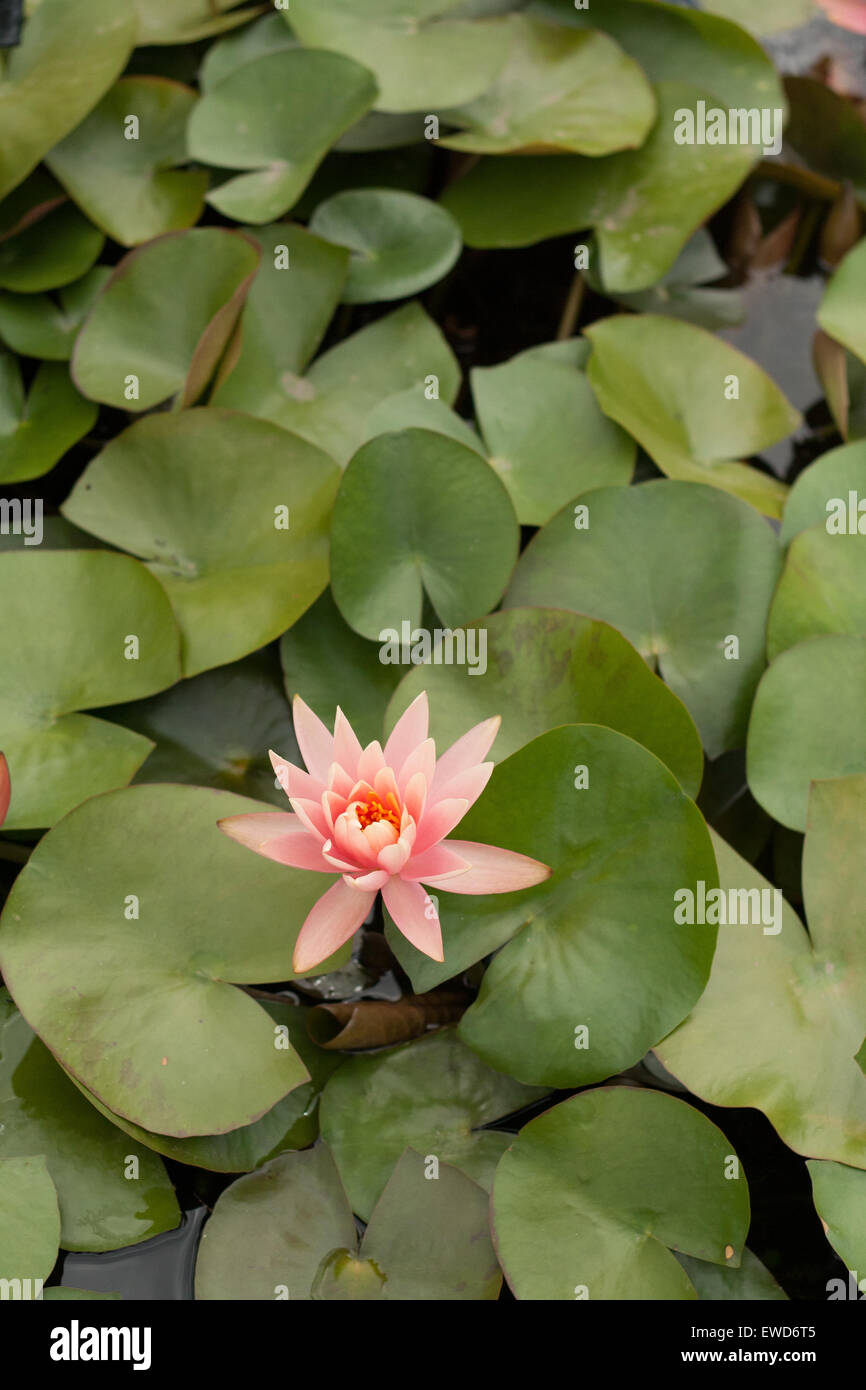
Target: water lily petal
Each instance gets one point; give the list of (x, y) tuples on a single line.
[(312, 816), (409, 906), (370, 883), (409, 731), (421, 759), (347, 749), (437, 862), (492, 870), (314, 740), (469, 784), (335, 917), (470, 749), (438, 821), (371, 761), (277, 835), (415, 796)]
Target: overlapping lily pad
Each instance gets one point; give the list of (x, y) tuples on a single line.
[(276, 116), (696, 404), (833, 476), (161, 324), (400, 244), (37, 325), (111, 1192), (841, 314), (595, 1195), (184, 21), (239, 565), (433, 1095), (786, 1044), (56, 249), (37, 429), (114, 638), (749, 1281), (644, 549), (142, 918), (840, 1201), (546, 435), (807, 723), (546, 667), (124, 176), (822, 589), (29, 1220)]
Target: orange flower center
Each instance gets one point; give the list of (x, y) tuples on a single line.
[(376, 810)]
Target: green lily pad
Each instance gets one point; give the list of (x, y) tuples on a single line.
[(164, 488), (546, 436), (270, 1230), (61, 659), (558, 91), (433, 492), (785, 1043), (292, 1123), (807, 724), (400, 243), (36, 325), (29, 1219), (433, 1095), (124, 176), (594, 1196), (111, 1192), (672, 385), (59, 1293), (422, 59), (36, 430), (596, 968), (403, 355), (297, 287), (822, 590), (840, 1201), (771, 17), (841, 314), (546, 667), (163, 320), (644, 548), (134, 991), (328, 664), (277, 115), (242, 46), (55, 250), (832, 476), (644, 204), (53, 79), (185, 21), (684, 292), (716, 1283)]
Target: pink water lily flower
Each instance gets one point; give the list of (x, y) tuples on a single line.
[(848, 14), (379, 817), (5, 788)]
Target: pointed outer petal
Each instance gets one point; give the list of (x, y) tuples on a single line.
[(298, 782), (335, 917), (333, 806), (5, 788), (492, 870), (380, 834), (415, 796), (438, 862), (408, 905), (314, 740), (470, 784), (371, 761), (282, 768), (277, 835), (347, 749), (351, 843), (312, 816), (438, 821), (421, 759), (344, 866), (368, 883), (409, 731), (339, 780), (385, 784), (393, 857), (465, 753)]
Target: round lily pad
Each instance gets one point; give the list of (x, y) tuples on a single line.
[(822, 589), (164, 489), (29, 1221), (595, 1195), (644, 548), (55, 250), (131, 982), (451, 531), (38, 325), (828, 480), (36, 430), (841, 314), (400, 243), (545, 667)]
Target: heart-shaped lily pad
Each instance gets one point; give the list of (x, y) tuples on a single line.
[(644, 204), (594, 1196), (121, 171), (276, 115), (544, 667), (400, 243), (840, 1201), (53, 79), (821, 488), (29, 1221), (163, 320), (695, 403), (164, 488), (36, 325), (114, 638), (111, 1192), (597, 968), (434, 492), (559, 90), (434, 1095), (546, 436), (842, 310), (807, 724), (822, 589), (644, 548), (423, 60), (36, 430), (137, 941), (755, 1044), (54, 250)]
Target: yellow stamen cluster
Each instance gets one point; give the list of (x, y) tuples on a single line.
[(376, 810)]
